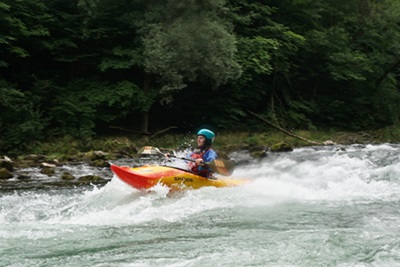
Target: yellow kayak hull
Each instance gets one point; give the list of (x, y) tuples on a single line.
[(145, 177)]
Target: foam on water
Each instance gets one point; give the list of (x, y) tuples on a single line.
[(118, 204), (335, 177)]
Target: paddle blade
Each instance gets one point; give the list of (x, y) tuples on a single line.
[(148, 150), (224, 167)]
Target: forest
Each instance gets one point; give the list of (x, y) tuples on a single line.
[(84, 68)]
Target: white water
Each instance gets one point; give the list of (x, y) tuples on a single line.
[(310, 207)]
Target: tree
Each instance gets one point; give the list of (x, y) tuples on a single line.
[(166, 44), (187, 42)]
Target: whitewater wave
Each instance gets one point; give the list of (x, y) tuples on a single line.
[(332, 176)]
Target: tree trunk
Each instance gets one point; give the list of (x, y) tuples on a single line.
[(145, 114), (145, 122), (283, 130)]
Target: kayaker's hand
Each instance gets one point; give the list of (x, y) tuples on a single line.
[(200, 162), (167, 155)]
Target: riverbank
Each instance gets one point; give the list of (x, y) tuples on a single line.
[(49, 157), (67, 148)]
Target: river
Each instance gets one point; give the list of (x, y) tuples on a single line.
[(315, 206)]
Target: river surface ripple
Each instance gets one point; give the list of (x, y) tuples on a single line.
[(315, 206)]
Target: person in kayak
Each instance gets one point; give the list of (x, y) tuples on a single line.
[(204, 153)]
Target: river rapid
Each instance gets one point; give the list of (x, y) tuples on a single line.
[(315, 206)]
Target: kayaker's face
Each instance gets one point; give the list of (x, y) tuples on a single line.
[(201, 141)]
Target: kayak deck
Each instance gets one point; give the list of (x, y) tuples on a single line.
[(145, 177)]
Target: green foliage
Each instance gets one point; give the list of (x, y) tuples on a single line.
[(121, 58), (177, 53), (349, 66), (20, 122), (20, 21), (78, 67), (342, 60), (255, 54), (81, 104)]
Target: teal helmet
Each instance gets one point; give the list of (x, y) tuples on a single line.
[(209, 135)]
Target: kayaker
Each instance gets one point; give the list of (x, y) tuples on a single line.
[(203, 153)]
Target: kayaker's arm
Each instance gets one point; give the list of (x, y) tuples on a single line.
[(224, 167)]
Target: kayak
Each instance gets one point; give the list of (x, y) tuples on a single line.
[(145, 177)]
